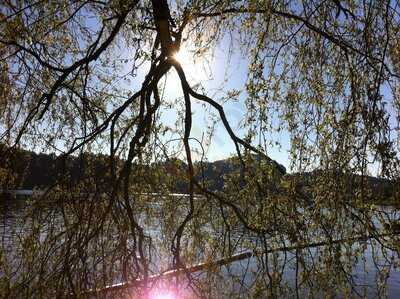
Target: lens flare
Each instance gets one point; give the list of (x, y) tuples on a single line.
[(164, 296)]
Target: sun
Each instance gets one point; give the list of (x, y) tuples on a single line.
[(197, 69), (182, 56), (193, 66)]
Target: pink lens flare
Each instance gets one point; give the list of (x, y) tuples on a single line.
[(163, 293), (163, 296)]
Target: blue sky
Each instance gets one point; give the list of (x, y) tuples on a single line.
[(219, 73)]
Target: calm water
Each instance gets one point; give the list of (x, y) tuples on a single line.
[(369, 269)]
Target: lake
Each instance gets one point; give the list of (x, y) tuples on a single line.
[(352, 268)]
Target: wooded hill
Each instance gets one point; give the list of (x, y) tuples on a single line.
[(29, 170)]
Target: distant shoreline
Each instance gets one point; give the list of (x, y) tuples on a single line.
[(37, 192), (26, 192)]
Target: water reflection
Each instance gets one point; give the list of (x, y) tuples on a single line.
[(349, 268)]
